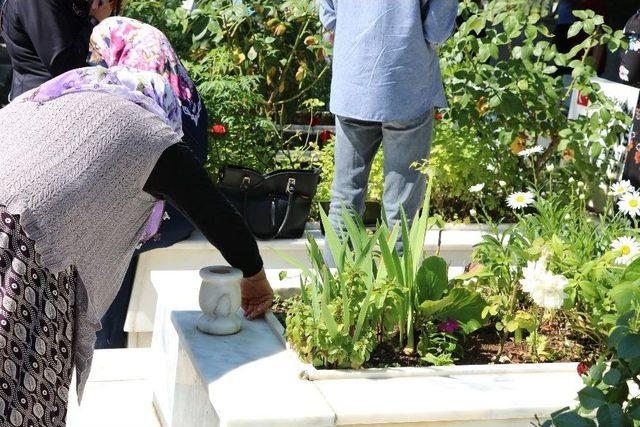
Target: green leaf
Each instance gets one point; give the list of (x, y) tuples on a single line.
[(612, 377), (624, 295), (431, 279), (574, 29), (629, 346), (591, 398), (572, 419), (460, 304), (611, 415)]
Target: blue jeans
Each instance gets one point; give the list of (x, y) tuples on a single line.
[(357, 143)]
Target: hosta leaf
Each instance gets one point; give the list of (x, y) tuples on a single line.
[(460, 304), (432, 279)]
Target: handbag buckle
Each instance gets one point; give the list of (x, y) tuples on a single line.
[(246, 181), (291, 186)]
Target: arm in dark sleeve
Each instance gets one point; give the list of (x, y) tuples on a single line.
[(179, 179), (54, 34)]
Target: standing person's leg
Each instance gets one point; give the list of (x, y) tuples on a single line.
[(405, 143), (356, 145)]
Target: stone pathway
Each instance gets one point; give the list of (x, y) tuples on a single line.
[(118, 392)]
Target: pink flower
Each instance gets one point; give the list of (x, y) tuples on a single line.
[(218, 129), (449, 326)]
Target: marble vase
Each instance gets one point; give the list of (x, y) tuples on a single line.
[(220, 299)]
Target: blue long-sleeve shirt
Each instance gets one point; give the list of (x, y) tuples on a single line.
[(385, 63)]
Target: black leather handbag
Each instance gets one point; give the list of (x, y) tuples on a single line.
[(275, 205)]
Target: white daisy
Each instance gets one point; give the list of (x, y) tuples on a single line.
[(628, 247), (536, 149), (629, 204), (550, 167), (476, 188), (473, 213), (621, 188), (502, 183), (520, 200)]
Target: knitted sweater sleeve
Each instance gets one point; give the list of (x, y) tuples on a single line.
[(179, 179)]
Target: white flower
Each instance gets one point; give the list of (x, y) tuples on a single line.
[(612, 175), (629, 204), (545, 288), (536, 149), (581, 196), (520, 200), (473, 213), (628, 247), (624, 73), (567, 217), (621, 188), (580, 184), (550, 167), (502, 183), (572, 180), (476, 188), (634, 45)]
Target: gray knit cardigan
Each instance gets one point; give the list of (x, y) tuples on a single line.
[(73, 169)]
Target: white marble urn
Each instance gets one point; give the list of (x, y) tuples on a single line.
[(220, 299)]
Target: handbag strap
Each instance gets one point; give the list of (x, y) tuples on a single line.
[(290, 190)]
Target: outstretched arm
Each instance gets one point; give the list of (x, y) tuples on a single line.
[(438, 19), (179, 179)]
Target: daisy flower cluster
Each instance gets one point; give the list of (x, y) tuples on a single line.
[(628, 198), (545, 288)]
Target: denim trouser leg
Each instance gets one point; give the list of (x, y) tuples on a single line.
[(355, 148), (405, 143), (357, 142)]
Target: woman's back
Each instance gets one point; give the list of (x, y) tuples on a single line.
[(73, 168)]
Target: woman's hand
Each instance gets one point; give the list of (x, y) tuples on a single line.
[(101, 9), (257, 295)]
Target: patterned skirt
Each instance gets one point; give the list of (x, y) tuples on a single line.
[(36, 333)]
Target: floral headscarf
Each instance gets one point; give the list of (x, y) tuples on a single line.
[(127, 42), (144, 88), (147, 89)]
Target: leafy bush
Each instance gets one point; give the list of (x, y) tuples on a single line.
[(607, 393), (501, 77), (377, 294), (555, 269)]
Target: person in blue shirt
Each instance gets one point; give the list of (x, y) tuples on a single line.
[(386, 84)]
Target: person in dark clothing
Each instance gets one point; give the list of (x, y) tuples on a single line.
[(119, 41), (46, 38), (630, 74)]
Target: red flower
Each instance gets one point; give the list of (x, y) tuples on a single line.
[(439, 115), (218, 129), (325, 135), (449, 326), (583, 368)]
